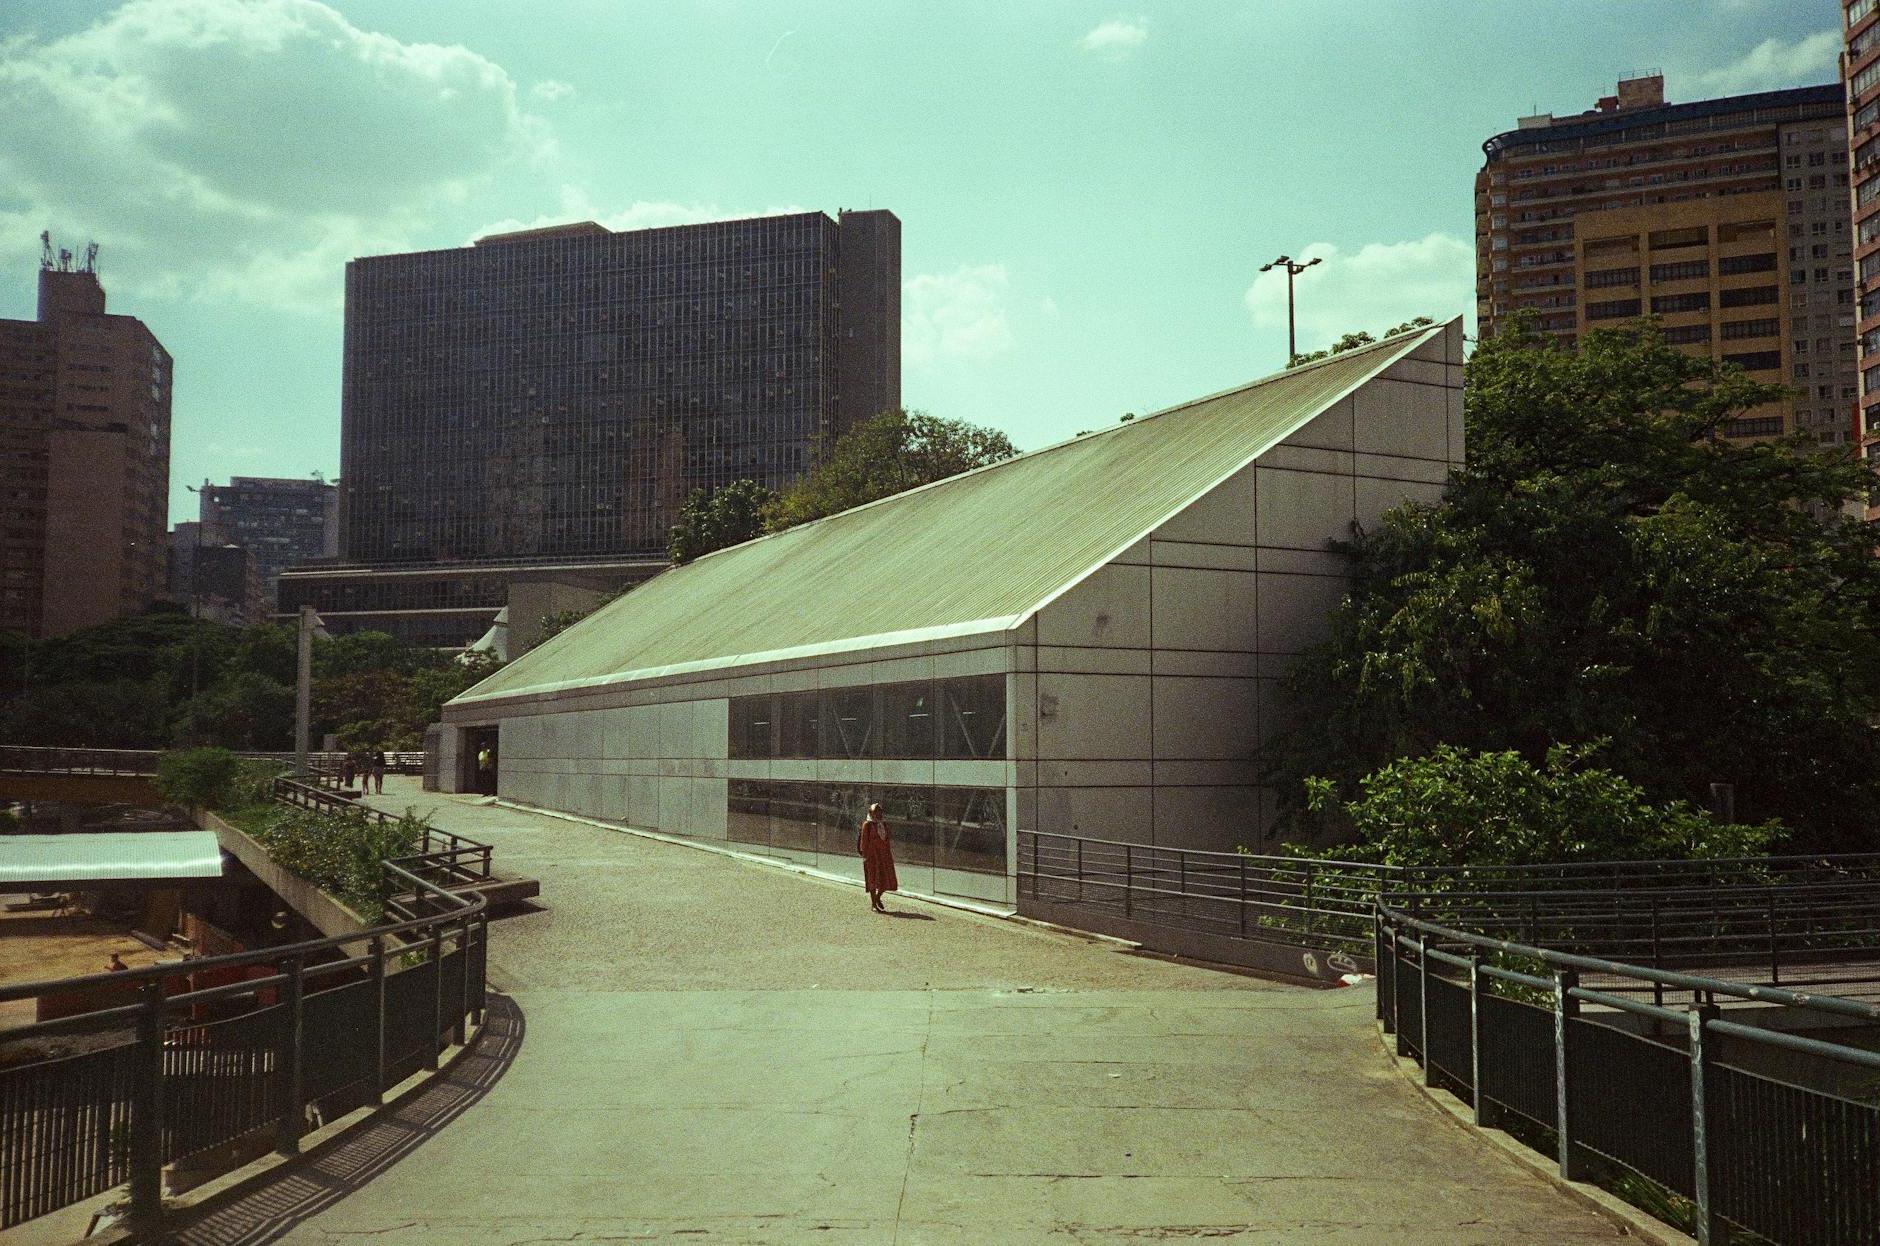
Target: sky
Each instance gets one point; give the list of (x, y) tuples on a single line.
[(1086, 191)]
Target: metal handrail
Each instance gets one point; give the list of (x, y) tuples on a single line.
[(1806, 1177), (426, 916)]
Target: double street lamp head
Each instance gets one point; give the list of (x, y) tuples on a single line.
[(1292, 266)]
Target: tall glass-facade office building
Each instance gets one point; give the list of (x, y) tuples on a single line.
[(553, 396)]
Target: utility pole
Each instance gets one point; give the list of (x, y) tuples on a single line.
[(1293, 269)]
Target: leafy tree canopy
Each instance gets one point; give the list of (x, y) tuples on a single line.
[(1608, 568), (888, 454), (714, 519)]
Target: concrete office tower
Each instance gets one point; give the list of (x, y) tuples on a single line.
[(1860, 71), (551, 397), (283, 522), (1725, 218), (991, 653), (84, 458)]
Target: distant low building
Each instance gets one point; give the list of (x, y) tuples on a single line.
[(1089, 639)]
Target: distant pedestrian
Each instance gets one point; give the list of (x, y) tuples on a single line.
[(877, 854), (117, 964), (486, 771), (378, 770), (347, 769)]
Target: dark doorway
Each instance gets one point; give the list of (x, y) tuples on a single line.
[(481, 762)]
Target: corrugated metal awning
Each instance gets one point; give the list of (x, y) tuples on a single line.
[(108, 857)]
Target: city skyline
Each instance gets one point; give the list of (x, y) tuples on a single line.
[(1087, 192)]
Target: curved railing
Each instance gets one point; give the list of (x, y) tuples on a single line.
[(172, 1062), (1747, 1105)]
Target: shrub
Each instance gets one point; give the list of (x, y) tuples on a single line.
[(198, 778), (338, 852), (1455, 806)]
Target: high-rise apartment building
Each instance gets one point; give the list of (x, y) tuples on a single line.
[(1860, 72), (283, 522), (549, 398), (84, 458), (1725, 219)]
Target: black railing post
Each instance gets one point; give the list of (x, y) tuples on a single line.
[(147, 1114), (1566, 1009), (1775, 965), (1658, 956), (1129, 876), (1080, 871), (437, 999), (1396, 991), (378, 1019), (1378, 965), (1243, 897), (1478, 987), (483, 965), (1710, 1230), (463, 954), (1310, 890), (1034, 869), (1423, 1008), (290, 1059)]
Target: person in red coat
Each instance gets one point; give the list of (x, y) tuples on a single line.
[(877, 858)]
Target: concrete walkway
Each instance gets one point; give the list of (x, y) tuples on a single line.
[(719, 1051)]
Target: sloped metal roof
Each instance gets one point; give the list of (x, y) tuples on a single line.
[(110, 856), (974, 553)]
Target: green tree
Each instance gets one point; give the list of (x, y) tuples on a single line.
[(124, 713), (713, 519), (888, 454), (244, 710), (1351, 341), (1608, 568)]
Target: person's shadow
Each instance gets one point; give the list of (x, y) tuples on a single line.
[(913, 917)]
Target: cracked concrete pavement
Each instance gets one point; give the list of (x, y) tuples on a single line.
[(718, 1050)]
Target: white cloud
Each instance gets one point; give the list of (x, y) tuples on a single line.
[(244, 149), (959, 315), (1117, 38), (1774, 64), (1380, 285), (578, 205), (551, 89)]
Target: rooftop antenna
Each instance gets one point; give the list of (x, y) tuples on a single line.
[(91, 259), (45, 248), (65, 260)]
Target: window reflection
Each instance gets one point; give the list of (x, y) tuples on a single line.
[(907, 720), (747, 820), (974, 717), (848, 722), (953, 828), (946, 718), (969, 829)]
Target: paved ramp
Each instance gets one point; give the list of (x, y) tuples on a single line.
[(718, 1051)]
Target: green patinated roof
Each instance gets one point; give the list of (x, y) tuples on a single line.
[(976, 553)]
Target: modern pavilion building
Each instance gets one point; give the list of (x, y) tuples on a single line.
[(1086, 639)]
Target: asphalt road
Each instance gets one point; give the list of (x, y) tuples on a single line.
[(722, 1051)]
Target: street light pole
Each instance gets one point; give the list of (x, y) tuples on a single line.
[(1293, 269)]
